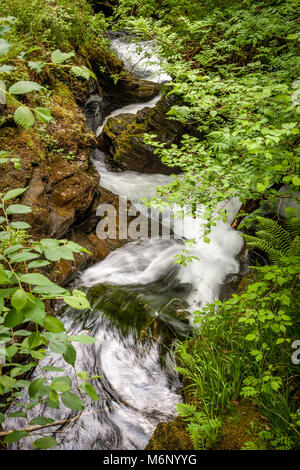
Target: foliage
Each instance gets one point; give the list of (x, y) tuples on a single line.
[(56, 23), (233, 71), (23, 295), (25, 115), (276, 240)]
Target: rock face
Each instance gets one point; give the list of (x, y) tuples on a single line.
[(124, 90), (122, 138)]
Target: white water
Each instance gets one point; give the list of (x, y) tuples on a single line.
[(140, 60), (137, 389), (129, 109), (148, 260)]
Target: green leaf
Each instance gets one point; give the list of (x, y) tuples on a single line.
[(4, 47), (19, 299), (15, 436), (61, 384), (7, 68), (18, 209), (78, 300), (72, 401), (82, 72), (58, 347), (45, 442), (84, 339), (13, 193), (35, 279), (34, 309), (89, 390), (24, 117), (25, 256), (17, 414), (41, 421), (13, 318), (53, 369), (35, 387), (23, 86), (36, 66), (53, 324), (44, 115), (296, 181), (59, 57), (250, 337), (70, 354), (20, 225), (38, 264), (2, 418)]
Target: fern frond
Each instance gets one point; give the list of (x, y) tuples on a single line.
[(294, 249)]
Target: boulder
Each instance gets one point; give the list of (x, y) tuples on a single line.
[(122, 138)]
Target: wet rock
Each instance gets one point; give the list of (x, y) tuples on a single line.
[(122, 138), (118, 87)]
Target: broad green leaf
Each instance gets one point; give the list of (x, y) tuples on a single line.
[(20, 225), (89, 390), (50, 290), (18, 209), (72, 401), (36, 339), (41, 421), (23, 86), (53, 324), (34, 309), (15, 436), (36, 66), (14, 193), (13, 318), (35, 279), (4, 47), (45, 443), (77, 300), (84, 339), (7, 382), (24, 117), (38, 264), (19, 299), (250, 337), (35, 387), (7, 68), (2, 418), (61, 384), (82, 72), (58, 347), (70, 354), (44, 115), (25, 256), (17, 414), (53, 369), (58, 57)]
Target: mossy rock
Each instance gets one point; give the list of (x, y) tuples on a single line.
[(170, 436), (122, 138)]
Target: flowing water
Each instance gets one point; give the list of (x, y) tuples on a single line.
[(141, 302)]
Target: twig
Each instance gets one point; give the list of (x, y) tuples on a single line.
[(38, 427)]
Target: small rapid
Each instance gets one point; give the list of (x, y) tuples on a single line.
[(141, 302)]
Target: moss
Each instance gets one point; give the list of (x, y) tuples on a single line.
[(170, 436), (239, 424)]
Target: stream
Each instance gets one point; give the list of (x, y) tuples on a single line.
[(141, 303)]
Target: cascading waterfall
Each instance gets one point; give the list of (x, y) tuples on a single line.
[(140, 302)]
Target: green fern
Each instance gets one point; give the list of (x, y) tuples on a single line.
[(276, 240)]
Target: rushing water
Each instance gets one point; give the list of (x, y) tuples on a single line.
[(141, 301)]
